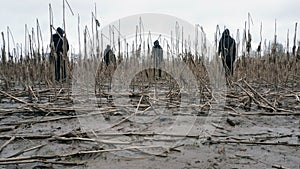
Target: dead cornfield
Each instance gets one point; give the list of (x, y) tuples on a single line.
[(86, 122), (125, 116)]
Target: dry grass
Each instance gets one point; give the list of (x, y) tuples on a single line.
[(35, 69)]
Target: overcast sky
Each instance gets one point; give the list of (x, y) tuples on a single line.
[(208, 13)]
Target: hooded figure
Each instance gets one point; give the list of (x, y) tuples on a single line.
[(60, 63), (157, 56), (109, 56), (227, 48)]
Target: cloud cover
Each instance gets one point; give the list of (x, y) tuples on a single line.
[(231, 14)]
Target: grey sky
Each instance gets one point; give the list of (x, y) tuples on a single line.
[(208, 13)]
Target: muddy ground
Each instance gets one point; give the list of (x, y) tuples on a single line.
[(41, 130)]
